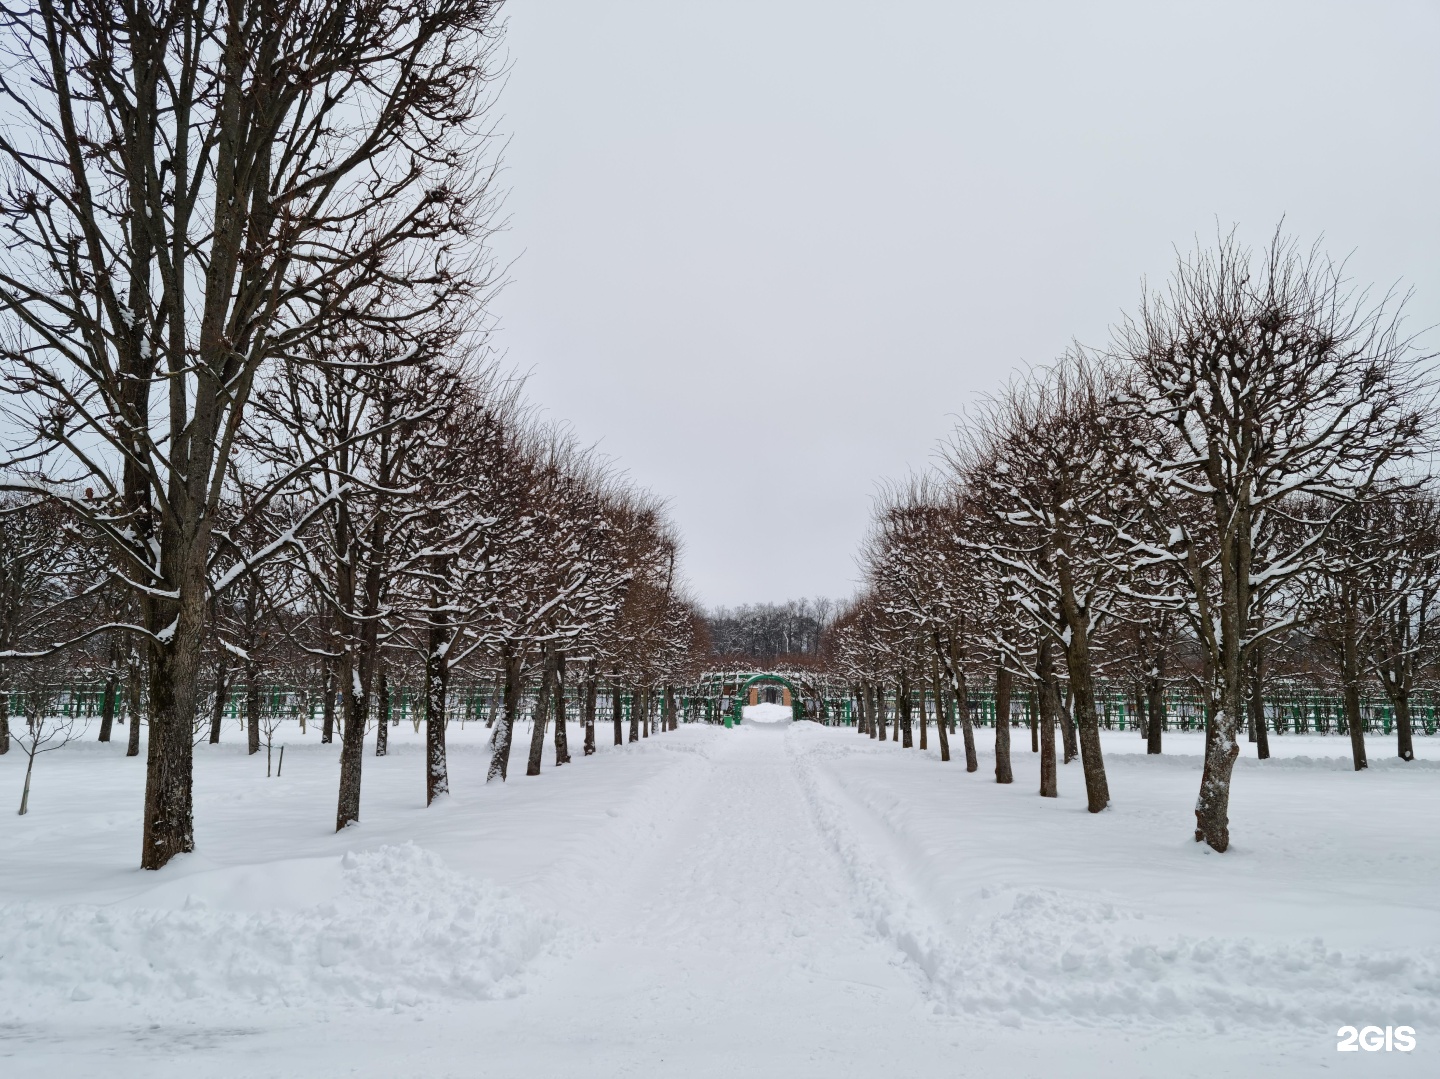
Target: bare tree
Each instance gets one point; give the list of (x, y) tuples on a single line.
[(190, 190), (1274, 381)]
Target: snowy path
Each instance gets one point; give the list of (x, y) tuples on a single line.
[(732, 949), (777, 900)]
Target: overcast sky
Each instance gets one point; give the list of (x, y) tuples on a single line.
[(764, 252)]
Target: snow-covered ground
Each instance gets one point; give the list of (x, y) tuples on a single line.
[(777, 899)]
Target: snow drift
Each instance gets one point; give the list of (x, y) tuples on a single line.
[(401, 927)]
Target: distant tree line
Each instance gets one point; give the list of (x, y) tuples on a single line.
[(767, 633)]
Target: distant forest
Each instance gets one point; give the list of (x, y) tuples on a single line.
[(771, 632)]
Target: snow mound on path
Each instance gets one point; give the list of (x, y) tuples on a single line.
[(402, 928)]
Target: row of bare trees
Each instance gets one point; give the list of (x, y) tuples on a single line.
[(1235, 489), (249, 419)]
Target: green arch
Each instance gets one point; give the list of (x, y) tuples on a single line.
[(797, 702)]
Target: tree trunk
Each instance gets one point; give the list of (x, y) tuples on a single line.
[(4, 718), (252, 708), (872, 711), (562, 733), (589, 706), (352, 745), (967, 725), (437, 691), (670, 723), (1212, 807), (327, 725), (173, 669), (25, 792), (1155, 721), (1067, 726), (862, 719), (217, 706), (1350, 671), (1082, 688), (1032, 716), (513, 665), (1003, 774), (542, 712), (941, 718), (107, 704), (382, 713), (1142, 720), (1257, 708), (880, 709), (134, 702), (1046, 704), (902, 708), (617, 711), (1404, 741), (637, 705)]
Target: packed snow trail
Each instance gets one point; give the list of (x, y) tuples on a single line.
[(733, 948)]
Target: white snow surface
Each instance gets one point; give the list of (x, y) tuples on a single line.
[(776, 899)]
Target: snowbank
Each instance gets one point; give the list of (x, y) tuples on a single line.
[(1015, 952), (401, 927), (1052, 954)]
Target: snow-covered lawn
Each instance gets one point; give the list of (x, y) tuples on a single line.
[(778, 899)]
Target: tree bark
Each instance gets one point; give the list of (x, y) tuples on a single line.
[(1155, 720), (217, 706), (513, 664), (107, 704), (589, 706), (941, 717), (617, 711), (1003, 774), (542, 712), (352, 744), (252, 708), (562, 733), (1082, 688), (902, 708), (1067, 727), (382, 713), (173, 669), (1350, 671), (1404, 740), (967, 725), (1257, 707), (1032, 709), (637, 705), (134, 702), (327, 725), (1046, 704), (437, 691), (880, 709), (1212, 817), (922, 715)]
